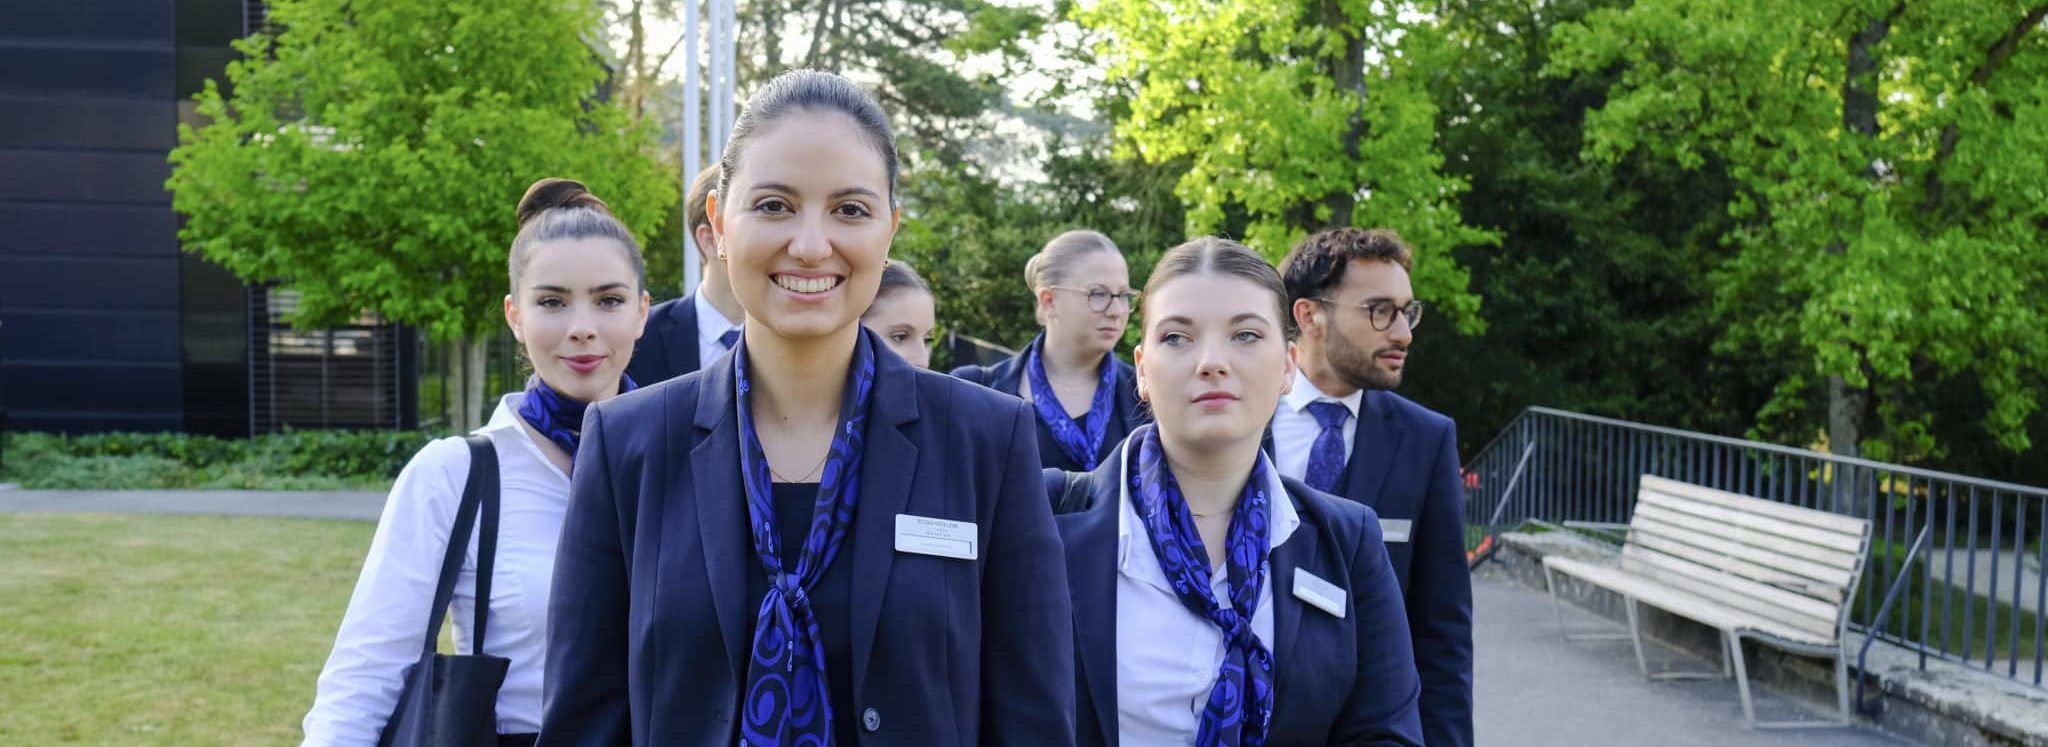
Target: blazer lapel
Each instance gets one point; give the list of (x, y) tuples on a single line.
[(1288, 559), (721, 507), (887, 473), (1372, 451), (1092, 574)]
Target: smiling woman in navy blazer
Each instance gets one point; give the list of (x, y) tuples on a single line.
[(1085, 399), (809, 541), (1324, 656)]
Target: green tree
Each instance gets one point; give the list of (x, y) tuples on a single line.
[(1603, 305), (1293, 115), (1890, 198), (369, 156), (970, 234), (912, 52)]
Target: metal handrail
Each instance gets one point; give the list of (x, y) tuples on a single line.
[(1898, 469), (1493, 522), (1986, 606), (1884, 613)]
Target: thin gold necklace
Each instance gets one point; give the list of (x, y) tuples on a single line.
[(807, 475)]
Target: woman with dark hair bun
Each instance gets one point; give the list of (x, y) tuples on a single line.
[(576, 303), (1216, 603), (1084, 398), (809, 541)]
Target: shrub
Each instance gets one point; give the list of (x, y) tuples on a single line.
[(293, 460)]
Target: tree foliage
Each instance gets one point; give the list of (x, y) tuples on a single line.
[(370, 156), (1599, 303), (1889, 194), (1293, 115)]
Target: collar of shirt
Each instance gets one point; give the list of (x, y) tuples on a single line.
[(1305, 393), (505, 427), (710, 323), (1144, 566)]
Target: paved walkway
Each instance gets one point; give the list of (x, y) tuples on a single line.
[(1534, 688), (310, 505)]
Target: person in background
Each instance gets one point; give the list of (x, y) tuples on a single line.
[(809, 541), (687, 333), (1343, 430), (904, 313), (1216, 603), (1085, 399), (576, 304)]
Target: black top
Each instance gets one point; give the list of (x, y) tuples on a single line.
[(831, 601), (1051, 455)]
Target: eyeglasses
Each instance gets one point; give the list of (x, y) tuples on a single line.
[(1100, 298), (1381, 313)]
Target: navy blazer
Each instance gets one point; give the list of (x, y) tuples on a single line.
[(668, 344), (1008, 377), (649, 622), (1404, 466), (1348, 681)]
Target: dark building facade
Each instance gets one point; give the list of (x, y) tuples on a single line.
[(104, 323)]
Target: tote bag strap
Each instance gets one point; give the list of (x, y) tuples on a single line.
[(483, 479), (479, 492)]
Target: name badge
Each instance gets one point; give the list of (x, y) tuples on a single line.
[(941, 537), (1395, 530), (1319, 594)]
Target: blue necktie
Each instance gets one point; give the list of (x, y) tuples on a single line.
[(731, 336), (1326, 457)]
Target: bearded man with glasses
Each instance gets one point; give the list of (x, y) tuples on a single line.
[(1342, 430)]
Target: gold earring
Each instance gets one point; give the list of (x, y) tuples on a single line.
[(721, 255)]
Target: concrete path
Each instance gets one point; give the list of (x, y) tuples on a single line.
[(1533, 688), (1994, 571), (309, 505)]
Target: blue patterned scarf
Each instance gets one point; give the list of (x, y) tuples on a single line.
[(1240, 706), (1081, 442), (787, 696), (559, 418)]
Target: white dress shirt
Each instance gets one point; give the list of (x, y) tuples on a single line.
[(710, 326), (1295, 429), (1167, 657), (386, 622)]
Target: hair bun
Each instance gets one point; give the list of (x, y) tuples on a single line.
[(551, 193)]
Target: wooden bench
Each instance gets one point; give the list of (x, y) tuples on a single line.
[(1753, 569)]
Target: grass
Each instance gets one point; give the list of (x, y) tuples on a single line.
[(141, 630)]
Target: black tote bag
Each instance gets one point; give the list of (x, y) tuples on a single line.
[(451, 700)]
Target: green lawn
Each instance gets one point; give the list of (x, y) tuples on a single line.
[(136, 630)]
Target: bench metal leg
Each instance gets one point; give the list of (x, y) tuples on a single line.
[(1742, 684), (1550, 581), (1842, 715), (1635, 632)]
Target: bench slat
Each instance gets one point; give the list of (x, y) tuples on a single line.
[(1723, 529), (1803, 516), (1739, 516), (1767, 563), (1655, 537), (1663, 596), (1784, 607)]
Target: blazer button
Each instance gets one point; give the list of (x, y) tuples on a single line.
[(871, 720)]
